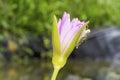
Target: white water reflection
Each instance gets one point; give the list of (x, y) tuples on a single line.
[(73, 77)]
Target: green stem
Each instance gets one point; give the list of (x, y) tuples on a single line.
[(55, 73)]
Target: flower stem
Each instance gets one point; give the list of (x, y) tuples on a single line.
[(55, 73)]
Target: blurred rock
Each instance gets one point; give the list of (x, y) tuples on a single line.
[(114, 70), (115, 66), (102, 74), (36, 45), (101, 44)]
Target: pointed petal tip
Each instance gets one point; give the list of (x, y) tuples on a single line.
[(87, 22), (55, 20), (54, 17), (65, 14)]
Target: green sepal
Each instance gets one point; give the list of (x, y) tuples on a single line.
[(56, 38)]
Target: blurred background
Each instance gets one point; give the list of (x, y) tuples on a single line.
[(25, 39)]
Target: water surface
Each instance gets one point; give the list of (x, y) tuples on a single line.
[(42, 70)]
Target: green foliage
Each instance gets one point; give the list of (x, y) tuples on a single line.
[(21, 17), (35, 16)]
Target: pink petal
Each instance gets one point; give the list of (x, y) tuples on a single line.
[(68, 38), (65, 20), (64, 25), (76, 25), (68, 30)]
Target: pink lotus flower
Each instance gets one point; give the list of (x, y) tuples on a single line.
[(66, 35)]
